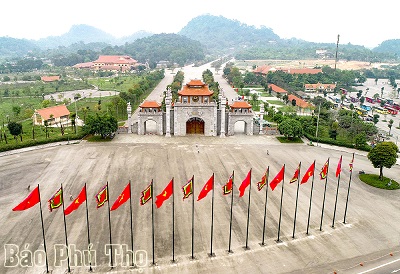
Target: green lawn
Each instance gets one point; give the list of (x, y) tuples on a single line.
[(289, 140), (373, 180), (276, 102)]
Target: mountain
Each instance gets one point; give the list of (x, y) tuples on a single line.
[(389, 46), (12, 47), (77, 33), (133, 37), (220, 33), (165, 46)]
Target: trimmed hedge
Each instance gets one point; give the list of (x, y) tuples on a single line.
[(13, 145), (335, 142)]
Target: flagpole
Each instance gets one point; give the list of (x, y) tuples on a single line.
[(44, 238), (309, 208), (152, 218), (337, 193), (212, 218), (323, 202), (297, 198), (348, 190), (173, 222), (130, 210), (248, 215), (65, 228), (230, 222), (193, 217), (265, 207), (109, 225), (280, 210), (88, 233)]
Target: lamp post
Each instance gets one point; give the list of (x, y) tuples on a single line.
[(316, 132)]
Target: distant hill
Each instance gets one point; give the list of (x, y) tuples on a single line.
[(389, 46), (77, 33), (165, 46), (12, 47), (218, 33), (131, 38)]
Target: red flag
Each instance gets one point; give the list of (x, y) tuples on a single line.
[(246, 182), (56, 201), (165, 194), (278, 178), (188, 189), (227, 188), (102, 196), (351, 164), (146, 194), (263, 180), (77, 202), (339, 167), (122, 198), (309, 173), (206, 188), (296, 175), (324, 170), (30, 201)]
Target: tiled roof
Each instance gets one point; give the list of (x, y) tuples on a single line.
[(240, 104), (83, 65), (57, 112), (299, 102), (276, 88), (195, 82), (263, 69), (303, 71), (115, 59), (317, 85), (50, 78), (196, 88), (150, 104)]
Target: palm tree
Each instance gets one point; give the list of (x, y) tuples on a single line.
[(390, 125)]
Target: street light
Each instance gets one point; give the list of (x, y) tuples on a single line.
[(316, 132)]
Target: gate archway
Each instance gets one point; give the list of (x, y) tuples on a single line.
[(195, 125)]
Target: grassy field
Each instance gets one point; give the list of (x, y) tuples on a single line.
[(373, 180)]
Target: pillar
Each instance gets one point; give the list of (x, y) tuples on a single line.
[(129, 110), (168, 101)]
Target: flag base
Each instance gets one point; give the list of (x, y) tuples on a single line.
[(153, 264), (230, 251), (246, 248), (192, 258), (262, 244), (211, 255), (173, 262)]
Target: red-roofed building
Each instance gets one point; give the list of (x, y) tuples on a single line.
[(263, 70), (114, 63), (195, 92), (53, 115), (277, 90), (240, 105), (50, 78), (318, 87), (150, 106), (87, 65), (299, 102), (302, 71)]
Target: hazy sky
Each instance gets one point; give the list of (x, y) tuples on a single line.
[(357, 22)]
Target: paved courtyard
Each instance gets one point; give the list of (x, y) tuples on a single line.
[(371, 231)]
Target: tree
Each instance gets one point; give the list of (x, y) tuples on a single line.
[(291, 128), (16, 110), (360, 140), (15, 129), (390, 125), (375, 119), (383, 155), (102, 124), (294, 102)]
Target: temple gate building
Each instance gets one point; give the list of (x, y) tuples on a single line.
[(195, 112)]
